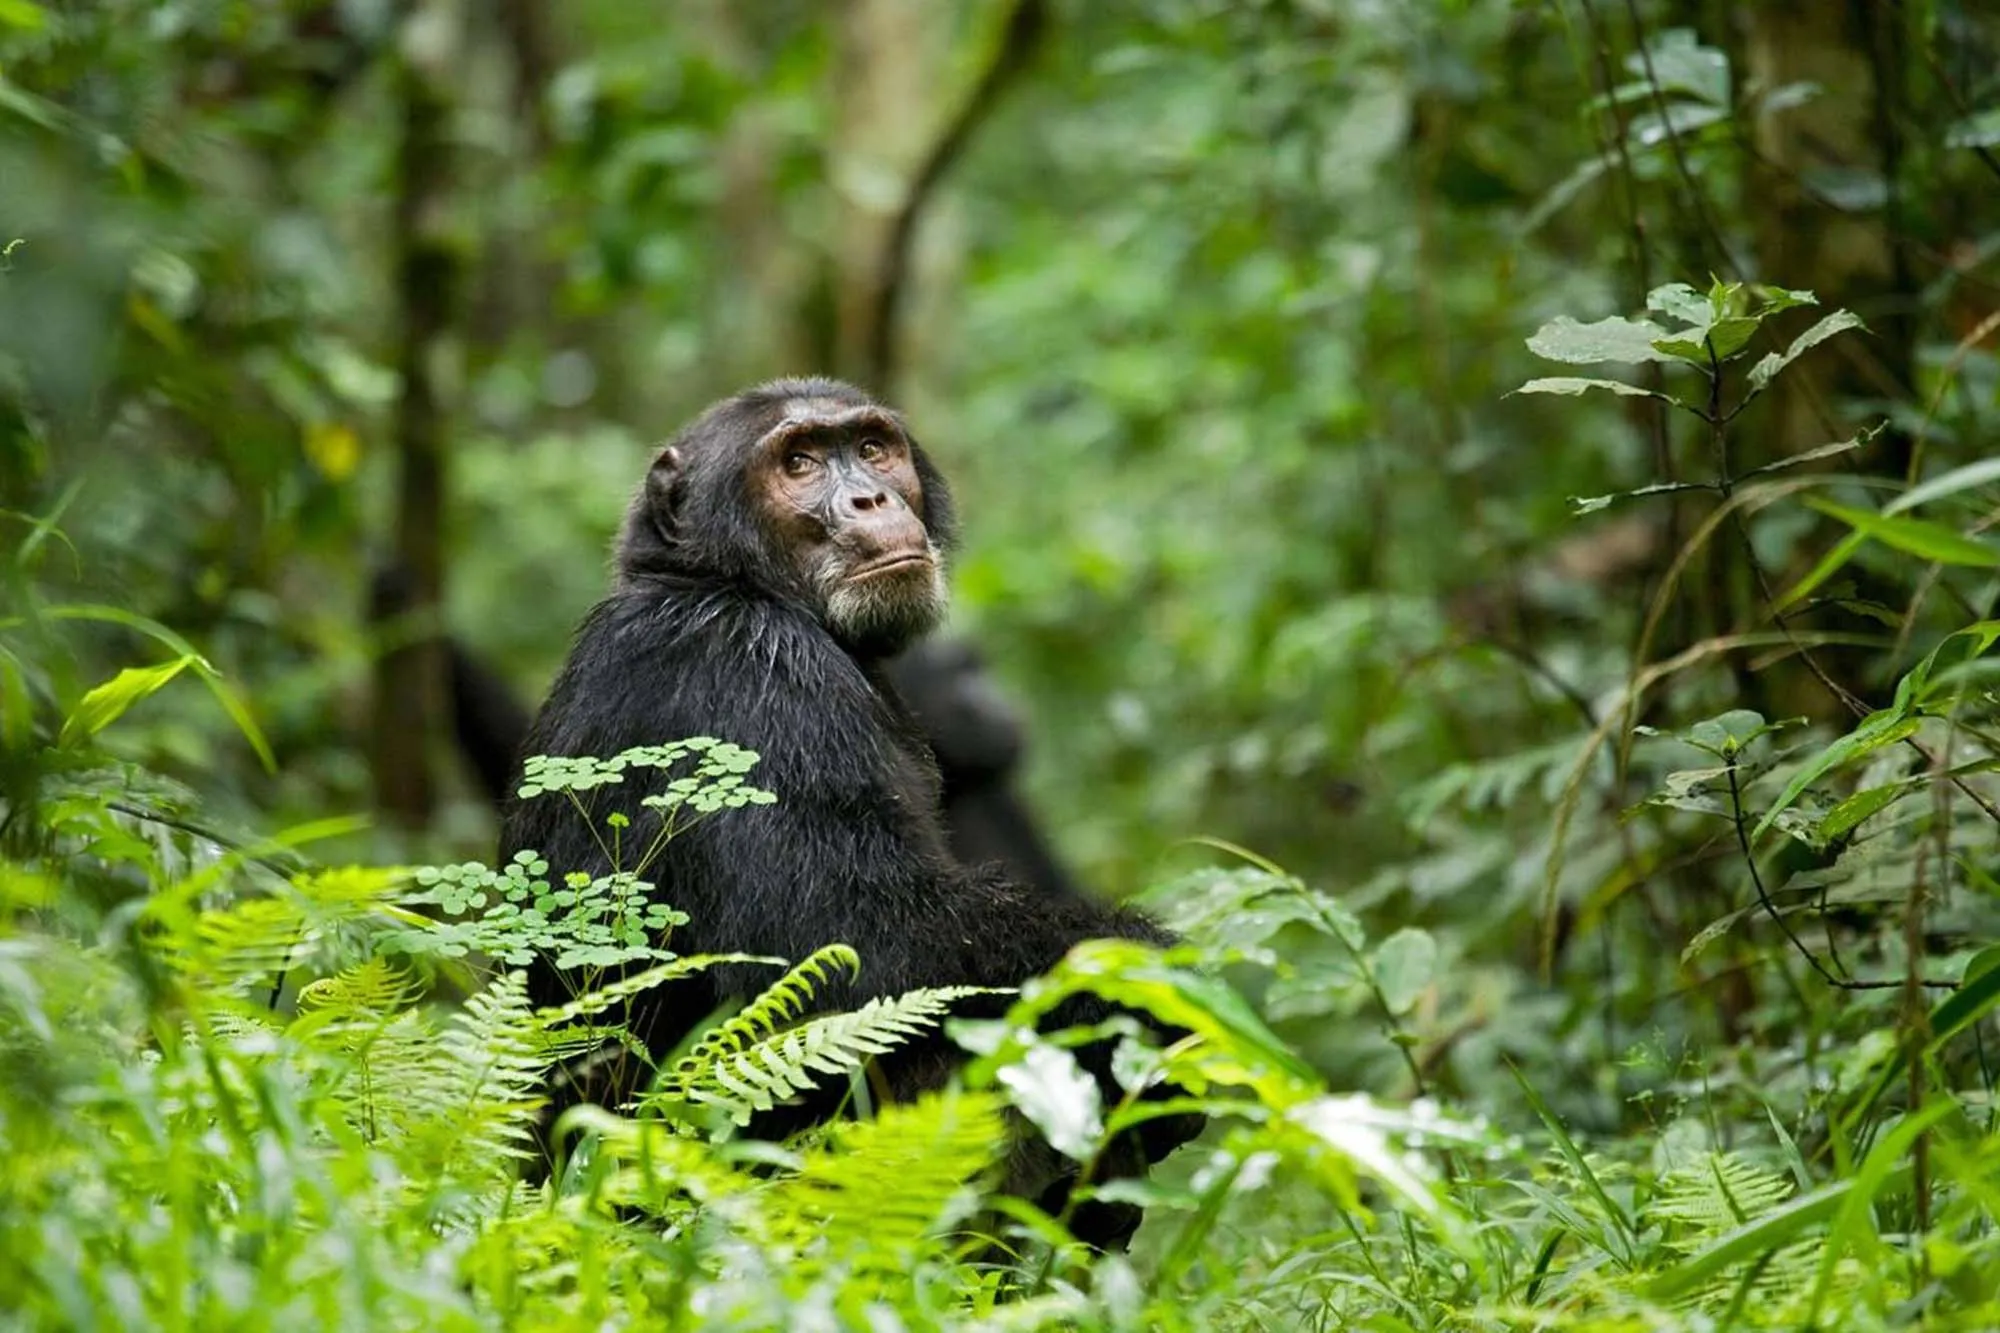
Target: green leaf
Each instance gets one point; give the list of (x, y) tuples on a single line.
[(1914, 536), (1875, 731), (1850, 812), (1579, 505), (1048, 1087), (1403, 967), (1985, 472), (1729, 732), (1626, 341), (23, 14), (102, 706), (1979, 130), (1729, 336), (1785, 298), (1572, 385), (1814, 455), (1681, 302), (1829, 564), (1837, 322), (1677, 61)]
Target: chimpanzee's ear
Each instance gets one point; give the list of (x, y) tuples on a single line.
[(666, 490)]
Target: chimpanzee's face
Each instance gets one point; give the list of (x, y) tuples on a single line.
[(837, 489)]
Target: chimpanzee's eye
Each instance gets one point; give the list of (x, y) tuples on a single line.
[(871, 451), (798, 464)]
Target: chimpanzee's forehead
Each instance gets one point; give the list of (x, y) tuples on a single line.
[(812, 416), (834, 414)]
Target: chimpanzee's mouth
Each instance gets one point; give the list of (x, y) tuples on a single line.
[(892, 564)]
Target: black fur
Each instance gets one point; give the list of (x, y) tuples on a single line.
[(709, 632), (977, 739)]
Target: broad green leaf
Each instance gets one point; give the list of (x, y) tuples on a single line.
[(1626, 341), (1729, 732), (103, 705), (1837, 322), (1359, 1131), (1573, 385), (1915, 536), (1729, 336), (1048, 1087), (23, 14), (1403, 967), (1953, 651)]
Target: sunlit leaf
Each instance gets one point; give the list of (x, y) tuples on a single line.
[(23, 14), (103, 705), (1916, 536), (1048, 1087)]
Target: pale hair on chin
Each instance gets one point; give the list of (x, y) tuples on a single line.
[(892, 608)]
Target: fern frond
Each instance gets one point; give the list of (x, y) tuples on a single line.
[(1717, 1193), (493, 1046), (244, 945), (783, 1002), (880, 1195), (603, 997), (742, 1077), (372, 987)]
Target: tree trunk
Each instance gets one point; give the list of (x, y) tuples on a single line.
[(410, 699)]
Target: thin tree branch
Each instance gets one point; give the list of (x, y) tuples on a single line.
[(1018, 42)]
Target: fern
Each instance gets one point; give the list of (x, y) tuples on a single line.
[(494, 1049), (765, 1055), (371, 987), (783, 1002), (1716, 1194), (598, 999), (880, 1195)]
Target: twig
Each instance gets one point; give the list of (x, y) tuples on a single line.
[(1018, 42)]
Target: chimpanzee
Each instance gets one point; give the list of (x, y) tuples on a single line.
[(975, 736), (781, 549)]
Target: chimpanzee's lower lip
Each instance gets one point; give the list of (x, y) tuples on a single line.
[(892, 564)]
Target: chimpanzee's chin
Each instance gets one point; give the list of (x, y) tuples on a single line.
[(885, 613)]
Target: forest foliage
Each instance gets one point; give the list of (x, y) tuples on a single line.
[(1487, 506)]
